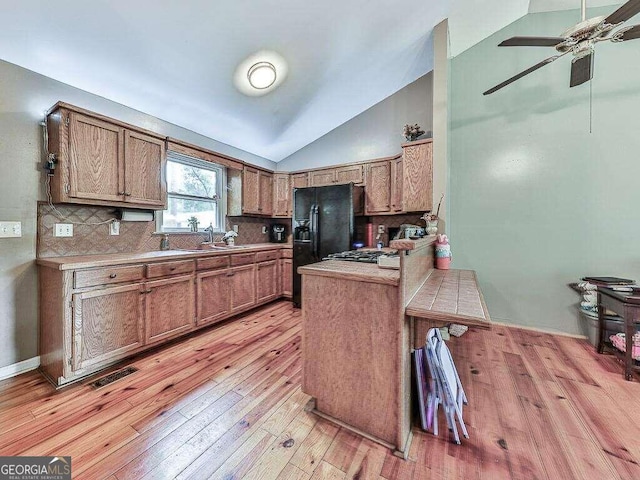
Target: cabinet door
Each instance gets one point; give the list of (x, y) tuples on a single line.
[(266, 194), (243, 287), (350, 174), (144, 170), (300, 180), (378, 189), (267, 281), (96, 159), (319, 178), (250, 190), (287, 277), (281, 195), (107, 324), (169, 308), (417, 177), (396, 185), (214, 296)]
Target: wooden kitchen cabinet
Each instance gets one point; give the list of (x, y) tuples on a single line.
[(101, 161), (107, 323), (214, 296), (349, 174), (257, 192), (282, 195), (286, 277), (320, 178), (299, 180), (266, 193), (396, 185), (169, 308), (243, 288), (417, 176), (378, 189), (267, 281)]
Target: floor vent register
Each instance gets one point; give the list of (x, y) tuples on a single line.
[(112, 377)]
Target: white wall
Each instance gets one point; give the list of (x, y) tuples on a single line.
[(24, 96), (375, 133)]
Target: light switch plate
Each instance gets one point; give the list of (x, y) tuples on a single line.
[(264, 229), (10, 229), (63, 230)]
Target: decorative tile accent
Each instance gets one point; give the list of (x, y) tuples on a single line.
[(91, 232)]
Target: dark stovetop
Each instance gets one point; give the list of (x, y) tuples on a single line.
[(367, 256)]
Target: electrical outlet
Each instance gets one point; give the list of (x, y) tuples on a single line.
[(10, 229), (63, 230), (264, 229), (235, 228), (380, 228), (114, 228)]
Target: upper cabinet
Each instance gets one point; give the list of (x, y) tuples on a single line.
[(282, 201), (402, 184), (104, 162), (417, 176), (337, 175), (257, 192)]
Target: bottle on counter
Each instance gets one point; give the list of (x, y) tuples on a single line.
[(164, 243)]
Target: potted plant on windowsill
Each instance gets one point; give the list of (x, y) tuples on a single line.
[(230, 238)]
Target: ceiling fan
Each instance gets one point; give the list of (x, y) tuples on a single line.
[(579, 40)]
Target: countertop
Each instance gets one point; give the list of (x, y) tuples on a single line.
[(364, 272), (88, 261)]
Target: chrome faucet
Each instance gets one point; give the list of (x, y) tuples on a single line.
[(209, 231)]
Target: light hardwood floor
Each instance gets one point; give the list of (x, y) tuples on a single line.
[(226, 403)]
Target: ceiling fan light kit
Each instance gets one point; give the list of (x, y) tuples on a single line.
[(580, 40)]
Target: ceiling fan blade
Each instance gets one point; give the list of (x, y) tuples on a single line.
[(624, 13), (522, 74), (630, 33), (531, 42), (581, 70)]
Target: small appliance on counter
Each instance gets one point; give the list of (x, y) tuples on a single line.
[(278, 233)]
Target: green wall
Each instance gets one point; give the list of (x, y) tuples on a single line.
[(536, 200)]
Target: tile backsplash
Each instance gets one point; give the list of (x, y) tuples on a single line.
[(91, 232)]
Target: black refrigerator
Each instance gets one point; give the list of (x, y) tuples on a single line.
[(324, 221)]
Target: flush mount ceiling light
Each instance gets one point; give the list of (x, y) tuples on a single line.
[(260, 73)]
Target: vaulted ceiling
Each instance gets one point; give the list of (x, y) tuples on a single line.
[(175, 60)]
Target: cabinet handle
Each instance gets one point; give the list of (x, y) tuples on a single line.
[(230, 274), (172, 269), (127, 194), (148, 291), (121, 193), (113, 275)]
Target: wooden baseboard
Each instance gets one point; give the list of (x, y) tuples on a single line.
[(541, 330), (21, 367)]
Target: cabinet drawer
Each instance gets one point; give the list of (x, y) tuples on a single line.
[(243, 259), (107, 275), (170, 268), (212, 262), (264, 256), (286, 253)]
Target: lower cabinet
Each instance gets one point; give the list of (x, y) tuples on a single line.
[(286, 276), (169, 308), (107, 324), (214, 296), (243, 288), (267, 281)]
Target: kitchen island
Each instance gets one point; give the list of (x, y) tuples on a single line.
[(356, 342), (359, 324)]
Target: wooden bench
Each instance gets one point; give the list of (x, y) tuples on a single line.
[(447, 296)]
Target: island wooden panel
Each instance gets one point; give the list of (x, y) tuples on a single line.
[(350, 347), (364, 272)]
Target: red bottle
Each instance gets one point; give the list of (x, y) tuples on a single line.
[(370, 235)]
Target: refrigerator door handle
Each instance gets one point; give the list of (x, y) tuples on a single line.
[(316, 231), (312, 222)]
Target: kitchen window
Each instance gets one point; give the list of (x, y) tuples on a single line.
[(194, 189)]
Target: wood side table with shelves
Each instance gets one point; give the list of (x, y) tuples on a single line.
[(627, 306)]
